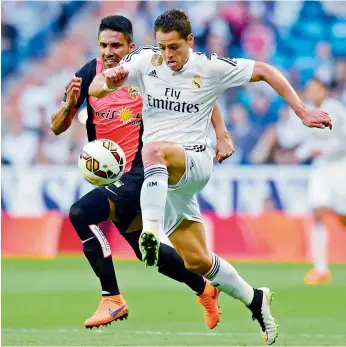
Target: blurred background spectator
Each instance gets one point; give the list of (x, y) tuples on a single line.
[(44, 43)]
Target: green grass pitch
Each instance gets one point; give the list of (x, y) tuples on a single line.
[(45, 302)]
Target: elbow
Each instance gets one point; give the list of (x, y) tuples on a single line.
[(55, 130), (93, 92), (97, 91)]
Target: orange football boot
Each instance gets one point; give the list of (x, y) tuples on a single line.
[(111, 308), (209, 300), (317, 277)]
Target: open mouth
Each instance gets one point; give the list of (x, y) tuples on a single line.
[(171, 63), (110, 61)]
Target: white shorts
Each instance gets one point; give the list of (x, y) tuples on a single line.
[(181, 199), (327, 187)]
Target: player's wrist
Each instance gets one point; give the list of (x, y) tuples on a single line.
[(107, 89), (222, 135), (300, 110)]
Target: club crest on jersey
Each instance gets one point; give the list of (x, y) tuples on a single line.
[(133, 92), (197, 82), (157, 60)]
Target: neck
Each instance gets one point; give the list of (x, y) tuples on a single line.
[(186, 60)]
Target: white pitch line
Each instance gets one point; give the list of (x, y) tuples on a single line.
[(153, 332), (197, 333)]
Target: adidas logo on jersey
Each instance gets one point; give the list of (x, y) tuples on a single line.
[(152, 74)]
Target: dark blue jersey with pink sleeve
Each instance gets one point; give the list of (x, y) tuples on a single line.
[(117, 116)]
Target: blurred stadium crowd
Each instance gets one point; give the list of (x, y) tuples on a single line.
[(44, 43)]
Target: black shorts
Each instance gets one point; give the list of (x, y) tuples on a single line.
[(126, 195)]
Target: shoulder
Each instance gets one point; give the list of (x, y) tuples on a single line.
[(203, 62), (201, 58), (224, 60), (144, 52), (213, 61), (211, 65), (88, 69), (213, 57)]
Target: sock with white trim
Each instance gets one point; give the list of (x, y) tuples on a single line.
[(154, 196), (225, 277), (85, 214)]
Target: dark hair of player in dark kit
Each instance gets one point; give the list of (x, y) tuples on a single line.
[(117, 23), (173, 20)]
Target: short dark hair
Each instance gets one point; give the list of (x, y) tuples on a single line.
[(173, 20), (117, 23)]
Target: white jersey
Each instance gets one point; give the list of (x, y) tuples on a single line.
[(177, 106), (332, 144)]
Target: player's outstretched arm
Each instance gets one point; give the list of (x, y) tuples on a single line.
[(310, 117), (62, 118), (224, 144), (96, 87), (108, 81)]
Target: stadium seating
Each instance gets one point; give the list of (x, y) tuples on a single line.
[(73, 26)]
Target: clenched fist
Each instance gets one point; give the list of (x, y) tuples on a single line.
[(115, 77), (224, 148)]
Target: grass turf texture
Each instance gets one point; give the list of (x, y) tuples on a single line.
[(45, 302)]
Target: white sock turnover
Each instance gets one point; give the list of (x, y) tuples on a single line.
[(225, 277), (153, 196)]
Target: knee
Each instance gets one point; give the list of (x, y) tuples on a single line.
[(199, 264), (153, 153), (76, 213)]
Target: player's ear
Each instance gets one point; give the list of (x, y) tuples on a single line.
[(132, 46), (190, 39)]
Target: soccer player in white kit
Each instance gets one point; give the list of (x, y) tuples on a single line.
[(327, 182), (179, 88)]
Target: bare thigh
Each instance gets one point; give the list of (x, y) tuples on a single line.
[(170, 154)]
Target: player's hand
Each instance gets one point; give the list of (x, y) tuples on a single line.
[(115, 77), (73, 91), (224, 148), (316, 119)]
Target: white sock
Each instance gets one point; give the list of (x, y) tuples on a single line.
[(225, 277), (154, 196), (319, 244)]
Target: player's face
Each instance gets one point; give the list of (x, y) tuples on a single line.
[(174, 49), (113, 47), (315, 92)]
